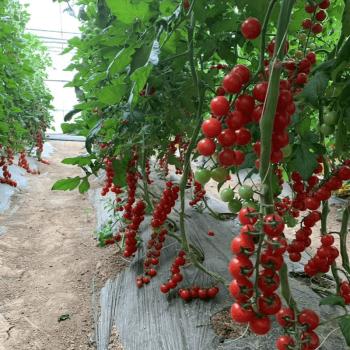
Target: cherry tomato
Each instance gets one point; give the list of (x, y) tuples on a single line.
[(227, 138), (243, 136), (309, 318), (241, 314), (241, 289), (285, 342), (260, 325), (211, 127), (273, 225), (241, 266), (232, 83), (285, 317), (245, 103), (206, 147), (243, 72), (248, 216), (243, 244), (219, 106), (251, 28), (270, 304)]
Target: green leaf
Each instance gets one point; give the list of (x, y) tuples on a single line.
[(333, 300), (112, 94), (303, 160), (92, 135), (139, 77), (173, 160), (68, 184), (120, 167), (127, 11), (121, 60), (71, 114), (80, 160), (344, 324), (315, 88), (84, 186)]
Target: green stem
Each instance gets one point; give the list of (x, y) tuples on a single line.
[(325, 204), (343, 239), (266, 129)]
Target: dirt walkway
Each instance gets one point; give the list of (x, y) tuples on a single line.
[(48, 261)]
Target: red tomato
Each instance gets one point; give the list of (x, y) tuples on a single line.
[(232, 83), (243, 71), (206, 147), (219, 106), (273, 225), (257, 113), (235, 120), (260, 325), (226, 157), (260, 91), (285, 317), (317, 28), (268, 281), (270, 304), (309, 318), (247, 216), (211, 127), (239, 158), (241, 289), (241, 266), (227, 138), (240, 314), (243, 243), (307, 23), (285, 342), (243, 136), (301, 79), (312, 341), (245, 103), (324, 4), (251, 28)]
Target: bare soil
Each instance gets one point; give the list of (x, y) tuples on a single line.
[(50, 265)]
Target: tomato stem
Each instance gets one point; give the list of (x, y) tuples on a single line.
[(343, 239)]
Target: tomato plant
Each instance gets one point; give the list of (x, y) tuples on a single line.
[(259, 88), (25, 102)]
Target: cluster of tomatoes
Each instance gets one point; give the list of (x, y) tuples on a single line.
[(39, 143), (196, 292), (176, 276), (138, 215), (324, 258), (199, 193), (110, 175), (318, 14), (166, 204), (23, 163), (10, 156), (241, 268), (148, 172), (305, 324), (345, 291), (132, 177), (6, 175)]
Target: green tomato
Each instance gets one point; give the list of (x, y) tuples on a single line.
[(302, 37), (331, 118), (251, 204), (202, 176), (246, 192), (287, 151), (219, 174), (313, 46), (234, 205), (299, 54), (326, 130), (227, 194)]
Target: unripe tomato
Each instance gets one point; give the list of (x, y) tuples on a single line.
[(219, 174), (330, 118), (326, 130), (234, 206), (202, 176), (227, 194), (245, 192)]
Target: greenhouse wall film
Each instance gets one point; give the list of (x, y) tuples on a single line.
[(198, 197)]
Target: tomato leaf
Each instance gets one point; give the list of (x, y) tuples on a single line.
[(80, 160), (173, 160), (340, 136), (303, 160), (315, 88), (120, 168), (332, 300), (68, 184), (84, 186), (128, 12), (344, 324)]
